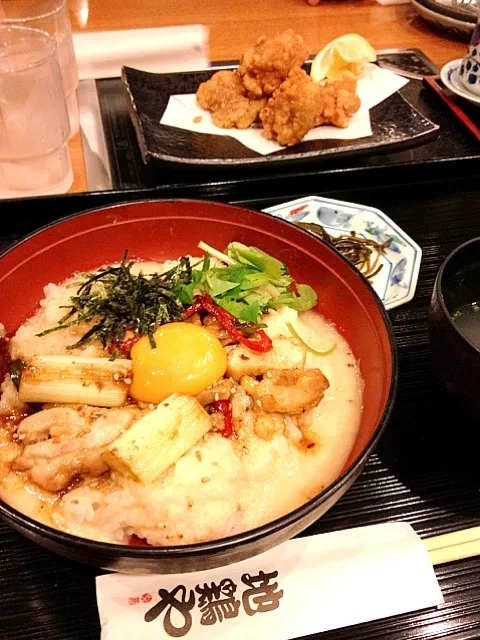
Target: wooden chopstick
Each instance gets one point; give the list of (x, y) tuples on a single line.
[(457, 545)]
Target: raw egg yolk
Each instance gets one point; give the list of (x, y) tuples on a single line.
[(186, 359)]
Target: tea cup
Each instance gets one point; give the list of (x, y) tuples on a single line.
[(469, 72)]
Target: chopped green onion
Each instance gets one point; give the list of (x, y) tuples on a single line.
[(307, 346), (217, 254), (248, 283)]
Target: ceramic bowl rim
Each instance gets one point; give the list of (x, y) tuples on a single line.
[(439, 288), (455, 13), (223, 544)]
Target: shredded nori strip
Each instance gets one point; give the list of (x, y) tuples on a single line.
[(119, 301), (363, 253)]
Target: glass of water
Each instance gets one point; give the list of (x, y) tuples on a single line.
[(50, 16), (34, 124)]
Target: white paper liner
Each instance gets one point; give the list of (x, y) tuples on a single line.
[(374, 86)]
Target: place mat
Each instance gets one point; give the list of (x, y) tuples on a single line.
[(448, 153), (424, 472)]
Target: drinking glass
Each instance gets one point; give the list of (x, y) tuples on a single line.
[(34, 125), (50, 16)]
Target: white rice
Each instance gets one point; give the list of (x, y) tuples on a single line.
[(214, 490)]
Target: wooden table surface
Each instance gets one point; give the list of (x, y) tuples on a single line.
[(234, 26)]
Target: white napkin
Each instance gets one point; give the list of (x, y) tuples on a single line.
[(304, 586), (101, 54), (374, 86), (95, 154)]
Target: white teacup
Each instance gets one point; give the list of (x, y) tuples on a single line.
[(469, 72)]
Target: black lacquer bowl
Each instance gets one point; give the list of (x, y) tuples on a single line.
[(162, 230), (456, 358)]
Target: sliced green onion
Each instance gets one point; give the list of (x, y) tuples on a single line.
[(217, 254), (307, 346)]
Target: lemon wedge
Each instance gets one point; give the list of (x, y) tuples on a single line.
[(341, 58)]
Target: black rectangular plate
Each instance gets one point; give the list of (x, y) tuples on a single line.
[(411, 63), (396, 124)]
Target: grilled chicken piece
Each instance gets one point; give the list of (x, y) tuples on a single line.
[(62, 444), (285, 354), (221, 390), (288, 391)]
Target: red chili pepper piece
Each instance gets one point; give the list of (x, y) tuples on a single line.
[(260, 343), (128, 344), (225, 406), (125, 345), (196, 306), (135, 541)]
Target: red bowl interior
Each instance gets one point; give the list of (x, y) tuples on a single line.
[(162, 230)]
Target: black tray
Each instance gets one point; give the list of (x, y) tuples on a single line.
[(452, 153), (424, 472)]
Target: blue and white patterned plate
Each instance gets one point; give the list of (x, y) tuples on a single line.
[(396, 282)]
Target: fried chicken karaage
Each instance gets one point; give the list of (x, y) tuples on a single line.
[(270, 84), (340, 103), (299, 104), (264, 67), (293, 109), (226, 97)]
